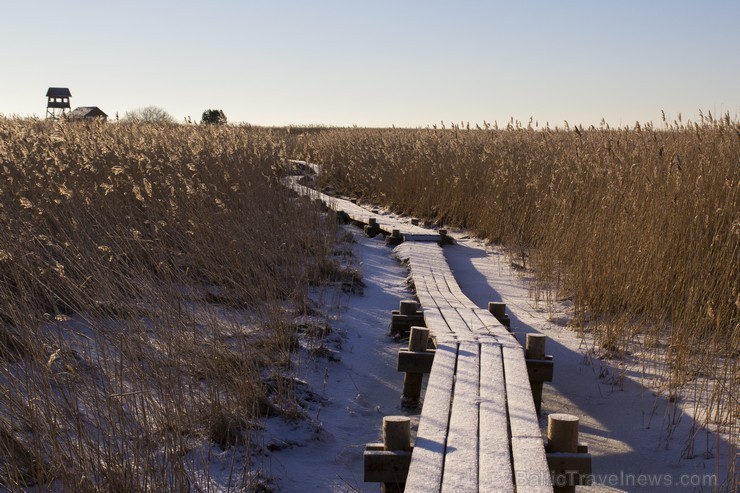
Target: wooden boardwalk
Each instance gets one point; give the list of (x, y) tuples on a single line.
[(359, 214), (478, 429)]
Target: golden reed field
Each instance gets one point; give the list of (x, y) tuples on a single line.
[(150, 274), (638, 227), (148, 279)]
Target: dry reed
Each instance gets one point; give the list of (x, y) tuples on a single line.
[(639, 227), (148, 274)]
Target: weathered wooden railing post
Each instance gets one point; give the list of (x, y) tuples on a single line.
[(395, 238), (388, 462), (320, 203), (539, 366), (407, 316), (498, 310), (343, 217), (569, 461), (444, 238), (418, 341), (408, 307), (371, 228), (396, 437)]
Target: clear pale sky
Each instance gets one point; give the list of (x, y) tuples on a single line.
[(376, 63)]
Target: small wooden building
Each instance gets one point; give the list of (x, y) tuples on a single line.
[(58, 102), (87, 113)]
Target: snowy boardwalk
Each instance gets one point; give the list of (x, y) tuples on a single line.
[(478, 429), (357, 213)]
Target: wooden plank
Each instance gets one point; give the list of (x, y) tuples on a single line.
[(522, 415), (477, 325), (454, 289), (540, 370), (496, 328), (472, 322), (461, 455), (451, 315), (385, 466), (458, 324), (429, 295), (527, 445), (415, 319), (436, 324), (495, 457), (426, 256), (415, 362), (422, 237), (531, 473), (443, 281), (427, 460), (568, 463)]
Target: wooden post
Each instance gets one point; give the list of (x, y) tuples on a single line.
[(408, 307), (535, 346), (498, 310), (562, 433), (343, 217), (371, 228), (535, 350), (408, 315), (396, 437), (562, 439), (395, 238), (418, 340), (397, 433)]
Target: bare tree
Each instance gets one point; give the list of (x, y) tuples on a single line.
[(150, 114)]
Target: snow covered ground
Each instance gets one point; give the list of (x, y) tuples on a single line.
[(357, 391), (638, 439)]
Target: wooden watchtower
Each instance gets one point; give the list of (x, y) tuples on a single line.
[(58, 102)]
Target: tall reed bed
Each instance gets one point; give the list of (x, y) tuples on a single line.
[(640, 227), (148, 275)]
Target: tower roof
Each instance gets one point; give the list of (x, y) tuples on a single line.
[(58, 92)]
